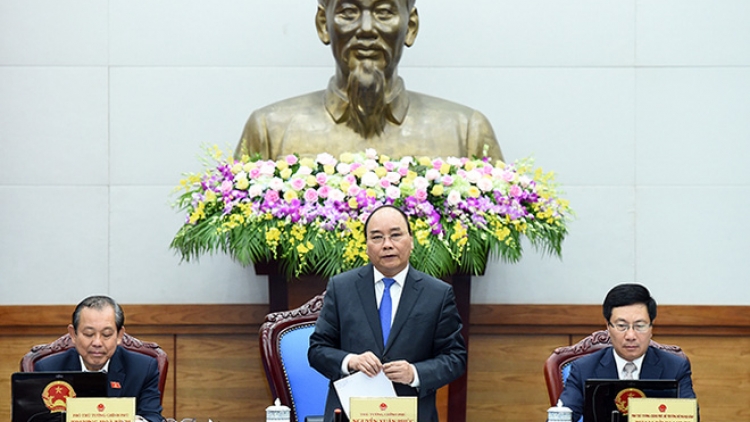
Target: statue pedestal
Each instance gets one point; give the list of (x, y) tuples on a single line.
[(284, 295)]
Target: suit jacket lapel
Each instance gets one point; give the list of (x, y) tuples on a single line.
[(72, 361), (607, 368), (409, 295), (116, 374), (366, 291), (652, 367)]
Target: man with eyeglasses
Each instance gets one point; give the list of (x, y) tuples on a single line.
[(629, 311), (387, 316)]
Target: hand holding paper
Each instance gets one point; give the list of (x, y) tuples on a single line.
[(399, 371), (361, 385), (366, 362)]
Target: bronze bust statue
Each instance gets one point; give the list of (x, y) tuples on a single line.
[(366, 104)]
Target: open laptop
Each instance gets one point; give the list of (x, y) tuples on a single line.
[(41, 396), (605, 400)]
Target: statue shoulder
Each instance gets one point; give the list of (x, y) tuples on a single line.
[(477, 136), (291, 106), (267, 125), (422, 102)]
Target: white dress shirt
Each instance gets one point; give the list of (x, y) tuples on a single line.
[(620, 362)]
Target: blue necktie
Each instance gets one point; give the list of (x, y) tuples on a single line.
[(386, 307)]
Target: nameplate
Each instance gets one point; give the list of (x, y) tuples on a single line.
[(377, 409), (100, 409), (662, 410)]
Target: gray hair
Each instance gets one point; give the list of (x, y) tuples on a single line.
[(99, 303)]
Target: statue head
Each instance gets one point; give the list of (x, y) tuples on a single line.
[(367, 38), (362, 31)]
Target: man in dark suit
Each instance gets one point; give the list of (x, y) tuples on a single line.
[(96, 331), (629, 311), (424, 350)]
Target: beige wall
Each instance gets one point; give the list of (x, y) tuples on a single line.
[(640, 108)]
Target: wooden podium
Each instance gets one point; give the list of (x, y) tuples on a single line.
[(284, 295)]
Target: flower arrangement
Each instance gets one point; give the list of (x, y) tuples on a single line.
[(308, 213)]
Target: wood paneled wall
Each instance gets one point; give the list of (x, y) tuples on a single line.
[(215, 370)]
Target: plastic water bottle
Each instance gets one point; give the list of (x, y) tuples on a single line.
[(278, 412), (559, 413)]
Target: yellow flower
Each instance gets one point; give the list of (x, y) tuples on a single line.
[(353, 204), (354, 250), (459, 235), (290, 195), (234, 220), (347, 158), (242, 183), (246, 210), (311, 181), (371, 193), (199, 213), (216, 153), (499, 230), (273, 235), (381, 172), (473, 192), (188, 183), (469, 166), (329, 169), (423, 237), (437, 190), (286, 173), (236, 168), (521, 226), (282, 165), (360, 171), (298, 232), (307, 162), (445, 168), (304, 248), (355, 228), (344, 186), (425, 161)]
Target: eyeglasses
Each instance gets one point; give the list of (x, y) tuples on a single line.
[(639, 327), (379, 238)]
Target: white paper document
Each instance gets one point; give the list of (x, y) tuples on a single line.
[(360, 385)]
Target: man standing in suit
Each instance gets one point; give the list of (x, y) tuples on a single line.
[(424, 350), (96, 331), (629, 311)]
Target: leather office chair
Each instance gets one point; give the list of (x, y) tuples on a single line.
[(557, 365), (42, 351), (284, 340)]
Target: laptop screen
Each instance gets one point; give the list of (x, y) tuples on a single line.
[(41, 396), (606, 400)]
